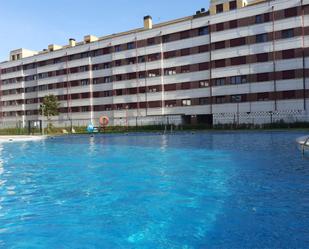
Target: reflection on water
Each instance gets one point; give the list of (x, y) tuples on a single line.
[(218, 190)]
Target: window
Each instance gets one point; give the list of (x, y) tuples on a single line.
[(238, 60), (170, 54), (236, 98), (203, 49), (288, 54), (203, 66), (117, 48), (153, 57), (130, 45), (186, 102), (238, 42), (220, 63), (258, 19), (185, 69), (288, 33), (262, 77), (130, 61), (220, 99), (84, 55), (106, 65), (169, 71), (84, 109), (118, 77), (203, 31), (233, 24), (204, 101), (203, 83), (219, 27), (290, 12), (262, 57), (238, 79), (219, 8), (220, 82), (150, 41), (84, 82), (220, 45), (118, 63), (262, 96), (165, 38), (233, 5), (184, 35), (184, 52), (141, 59), (83, 68), (153, 73), (289, 74), (288, 94), (261, 38)]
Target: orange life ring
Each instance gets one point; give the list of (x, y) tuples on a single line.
[(104, 120)]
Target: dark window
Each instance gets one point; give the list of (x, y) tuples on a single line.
[(233, 24), (236, 98), (185, 69), (238, 42), (262, 96), (118, 63), (259, 19), (288, 33), (130, 45), (220, 45), (117, 48), (220, 82), (288, 94), (290, 12), (203, 31), (220, 63), (184, 35), (290, 74), (238, 60), (203, 49), (233, 5), (261, 38), (262, 77), (141, 59), (288, 54), (165, 38), (204, 101), (262, 57), (184, 52), (219, 27), (170, 54), (150, 41), (203, 66), (220, 100), (238, 79), (219, 8)]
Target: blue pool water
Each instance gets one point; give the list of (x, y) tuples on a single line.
[(203, 190)]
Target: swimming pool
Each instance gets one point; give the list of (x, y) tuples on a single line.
[(203, 190)]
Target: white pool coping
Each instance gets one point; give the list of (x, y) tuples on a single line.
[(6, 139)]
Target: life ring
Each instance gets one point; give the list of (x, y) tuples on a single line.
[(104, 120)]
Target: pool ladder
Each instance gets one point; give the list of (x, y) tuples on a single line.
[(305, 144)]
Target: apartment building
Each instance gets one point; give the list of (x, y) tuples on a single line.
[(239, 62)]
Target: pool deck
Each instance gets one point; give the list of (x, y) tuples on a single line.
[(5, 139)]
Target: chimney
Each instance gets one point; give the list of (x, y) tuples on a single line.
[(148, 22), (90, 38), (72, 42), (53, 47)]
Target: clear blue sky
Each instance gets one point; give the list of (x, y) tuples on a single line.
[(33, 24)]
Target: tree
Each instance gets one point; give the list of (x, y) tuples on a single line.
[(49, 108)]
